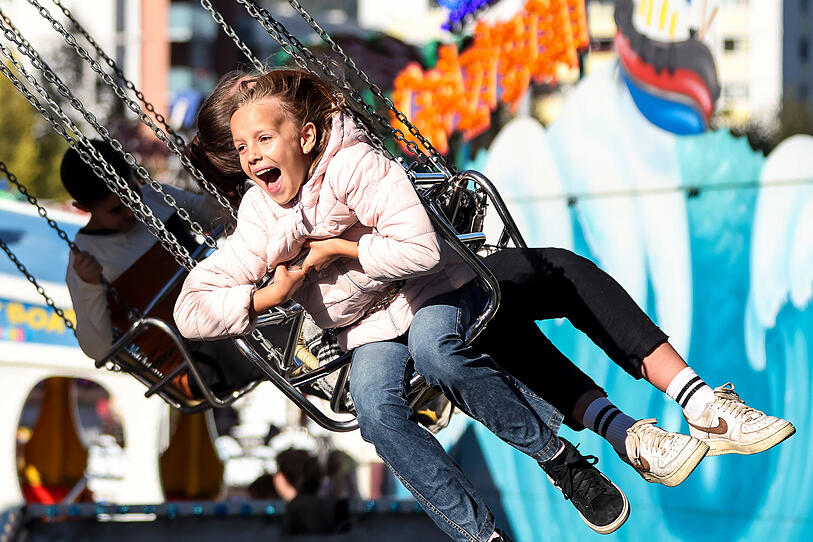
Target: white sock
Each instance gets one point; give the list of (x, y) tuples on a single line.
[(606, 420), (690, 392)]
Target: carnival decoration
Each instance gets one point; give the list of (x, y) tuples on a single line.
[(670, 72), (461, 10), (464, 87)]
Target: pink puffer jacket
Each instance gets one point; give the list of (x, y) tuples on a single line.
[(357, 194)]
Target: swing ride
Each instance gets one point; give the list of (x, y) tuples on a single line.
[(148, 348), (402, 125), (455, 201)]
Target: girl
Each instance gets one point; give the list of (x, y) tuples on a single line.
[(374, 269), (559, 284)]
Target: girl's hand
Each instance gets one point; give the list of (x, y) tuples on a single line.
[(324, 252), (286, 282), (87, 267)]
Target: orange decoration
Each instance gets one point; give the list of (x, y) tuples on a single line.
[(460, 92)]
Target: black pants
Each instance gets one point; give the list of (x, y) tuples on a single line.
[(543, 283)]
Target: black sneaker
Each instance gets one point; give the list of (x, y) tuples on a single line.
[(600, 503), (501, 536)]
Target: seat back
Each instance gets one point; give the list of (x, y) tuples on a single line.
[(137, 286)]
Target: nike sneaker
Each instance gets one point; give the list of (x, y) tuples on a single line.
[(729, 426), (661, 456)]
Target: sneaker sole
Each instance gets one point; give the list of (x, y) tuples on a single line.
[(725, 446), (610, 527), (683, 471)]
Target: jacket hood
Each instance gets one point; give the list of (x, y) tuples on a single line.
[(344, 132)]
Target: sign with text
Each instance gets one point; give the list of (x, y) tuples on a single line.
[(24, 322)]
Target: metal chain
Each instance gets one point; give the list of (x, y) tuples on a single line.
[(106, 172), (40, 289), (291, 44), (229, 31), (99, 165), (60, 232), (40, 209), (113, 180), (434, 155), (303, 56), (179, 251), (145, 119), (272, 352), (115, 67), (218, 18)]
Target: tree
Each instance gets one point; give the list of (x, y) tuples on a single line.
[(30, 148)]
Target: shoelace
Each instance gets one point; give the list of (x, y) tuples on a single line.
[(731, 402), (566, 474), (650, 437)]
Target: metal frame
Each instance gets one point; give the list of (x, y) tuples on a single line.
[(432, 187), (440, 193)]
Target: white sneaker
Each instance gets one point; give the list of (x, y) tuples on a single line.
[(729, 426), (662, 456)]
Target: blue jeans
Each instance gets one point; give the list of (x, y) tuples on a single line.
[(473, 382)]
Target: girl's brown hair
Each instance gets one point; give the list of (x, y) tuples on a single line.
[(212, 149), (305, 97), (302, 95)]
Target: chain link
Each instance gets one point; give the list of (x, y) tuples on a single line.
[(92, 157), (291, 44), (88, 153), (135, 108), (115, 67), (40, 289), (218, 18), (59, 231), (40, 209), (305, 59), (229, 31), (434, 155)]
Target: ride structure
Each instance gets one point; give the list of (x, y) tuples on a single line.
[(455, 201)]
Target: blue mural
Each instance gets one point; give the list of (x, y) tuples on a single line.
[(715, 241)]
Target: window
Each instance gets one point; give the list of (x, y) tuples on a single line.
[(601, 44), (804, 50), (733, 44)]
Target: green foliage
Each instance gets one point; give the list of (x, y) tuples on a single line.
[(29, 146)]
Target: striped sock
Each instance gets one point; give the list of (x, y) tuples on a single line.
[(603, 418), (690, 392)]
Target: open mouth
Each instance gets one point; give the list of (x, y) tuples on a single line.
[(270, 178)]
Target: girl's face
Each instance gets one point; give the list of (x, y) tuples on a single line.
[(273, 149)]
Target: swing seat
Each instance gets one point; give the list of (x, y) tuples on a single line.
[(459, 202), (150, 348)]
